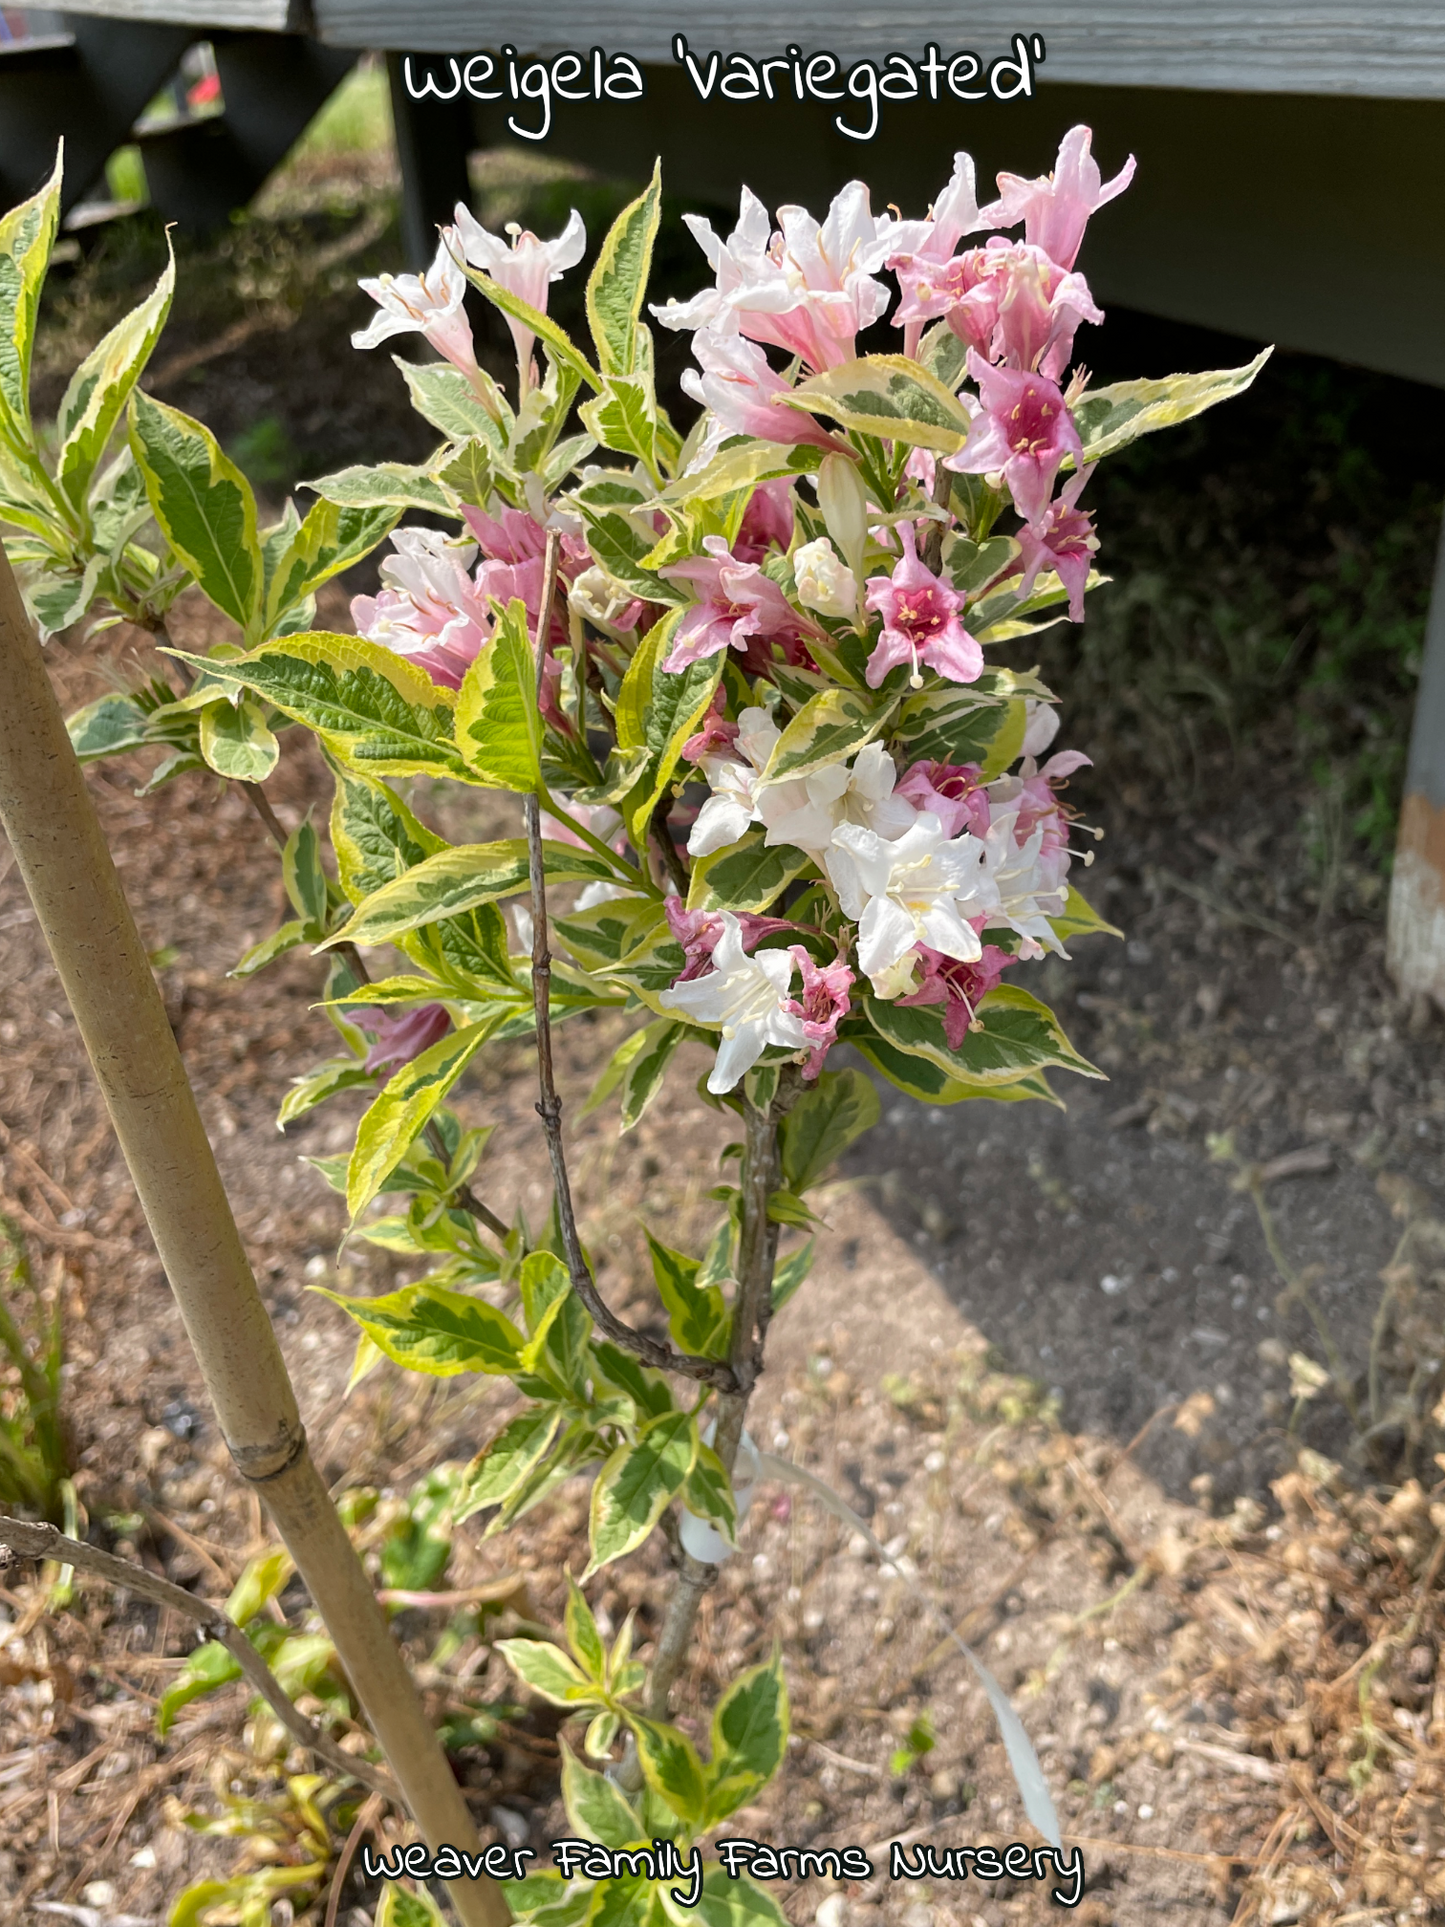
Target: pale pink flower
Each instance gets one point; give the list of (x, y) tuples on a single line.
[(740, 388), (510, 536), (698, 932), (1006, 299), (524, 266), (736, 603), (960, 987), (716, 734), (920, 622), (1030, 793), (400, 1036), (428, 608), (953, 791), (1023, 430), (429, 304), (922, 247), (1055, 208), (822, 1006), (1061, 539)]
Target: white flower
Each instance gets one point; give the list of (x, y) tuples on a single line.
[(824, 583), (805, 811), (524, 266), (733, 780), (429, 304), (744, 996), (1041, 726), (918, 888), (1029, 887)]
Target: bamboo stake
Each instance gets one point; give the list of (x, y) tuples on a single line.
[(53, 829)]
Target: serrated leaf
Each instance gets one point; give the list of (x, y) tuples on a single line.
[(399, 1113), (828, 729), (559, 343), (269, 949), (99, 389), (741, 468), (203, 503), (595, 1806), (618, 281), (670, 1766), (548, 1671), (27, 234), (1110, 418), (647, 1389), (888, 396), (457, 879), (948, 724), (920, 1078), (637, 1483), (749, 1738), (657, 711), (390, 485), (500, 1467), (748, 875), (427, 1328), (697, 1315), (498, 724), (236, 740), (824, 1121), (468, 472), (1014, 1034), (369, 706), (57, 598)]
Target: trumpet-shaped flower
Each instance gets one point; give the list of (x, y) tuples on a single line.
[(732, 756), (747, 999), (953, 791), (428, 607), (737, 383), (428, 304), (1008, 300), (1028, 884), (767, 522), (920, 622), (523, 265), (921, 887), (805, 811), (1061, 539), (1023, 431), (736, 602), (401, 1035), (698, 932), (824, 1003), (959, 987), (825, 584), (1055, 208)]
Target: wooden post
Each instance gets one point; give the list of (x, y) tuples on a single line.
[(48, 815), (1415, 949)]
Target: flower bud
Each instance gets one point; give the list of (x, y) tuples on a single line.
[(824, 583), (845, 507)]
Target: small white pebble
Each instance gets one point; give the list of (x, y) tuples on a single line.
[(1146, 1813), (935, 1462), (832, 1911), (143, 1857), (316, 1267), (99, 1893), (761, 1565), (1111, 1285)]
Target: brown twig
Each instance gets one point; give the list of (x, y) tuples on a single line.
[(667, 849), (652, 1351), (33, 1541), (366, 1818)]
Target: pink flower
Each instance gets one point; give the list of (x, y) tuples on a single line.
[(717, 733), (513, 536), (953, 791), (823, 1004), (736, 604), (1055, 208), (1024, 430), (1006, 299), (741, 388), (428, 609), (767, 521), (403, 1035), (959, 987), (1031, 793), (698, 932), (922, 247), (1061, 539), (527, 267), (429, 304), (920, 622)]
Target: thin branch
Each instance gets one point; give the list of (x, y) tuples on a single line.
[(707, 1371), (45, 1542), (261, 804), (667, 849)]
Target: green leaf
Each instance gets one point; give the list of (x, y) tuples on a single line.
[(100, 387), (548, 1671), (1110, 418), (107, 727), (749, 1737), (790, 1272), (263, 1577), (670, 1766), (58, 597), (647, 1389), (302, 875), (637, 1067), (429, 1329), (398, 1908), (390, 485), (747, 875), (1015, 1034), (375, 836), (458, 879), (582, 1634), (203, 503), (500, 1467), (236, 740), (27, 234), (828, 729), (636, 1485), (920, 1078), (786, 1207), (368, 705), (270, 948), (658, 711), (709, 1493), (445, 397), (825, 1120), (328, 541), (619, 280), (949, 724), (595, 1806), (209, 1667), (559, 343), (888, 396), (499, 727), (339, 1074), (399, 1114), (741, 468), (736, 1902), (472, 950), (468, 472), (1080, 919), (697, 1316)]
